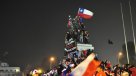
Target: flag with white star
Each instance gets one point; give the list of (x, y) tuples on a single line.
[(84, 13)]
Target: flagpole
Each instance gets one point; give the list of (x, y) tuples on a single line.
[(132, 26), (124, 33)]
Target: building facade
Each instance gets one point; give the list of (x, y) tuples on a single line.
[(6, 70)]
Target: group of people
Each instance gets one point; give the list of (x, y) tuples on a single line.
[(76, 34), (76, 30), (116, 70), (104, 69), (66, 66)]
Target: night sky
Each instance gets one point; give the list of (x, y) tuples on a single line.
[(32, 31)]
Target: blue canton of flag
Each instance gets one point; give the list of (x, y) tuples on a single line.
[(81, 10)]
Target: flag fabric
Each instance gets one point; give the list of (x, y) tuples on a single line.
[(87, 67), (133, 70), (84, 13), (69, 23), (100, 72), (110, 42)]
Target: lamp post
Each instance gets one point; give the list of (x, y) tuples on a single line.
[(51, 61), (119, 55)]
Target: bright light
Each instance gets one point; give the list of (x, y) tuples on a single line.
[(39, 70), (120, 54), (17, 70), (52, 59)]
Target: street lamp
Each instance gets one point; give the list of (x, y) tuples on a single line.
[(119, 55), (51, 60)]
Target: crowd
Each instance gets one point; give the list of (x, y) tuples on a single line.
[(117, 70), (104, 69), (76, 30), (78, 34)]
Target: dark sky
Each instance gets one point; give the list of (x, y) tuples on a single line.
[(31, 31)]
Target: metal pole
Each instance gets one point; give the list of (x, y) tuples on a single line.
[(132, 26), (50, 65), (124, 33), (118, 59)]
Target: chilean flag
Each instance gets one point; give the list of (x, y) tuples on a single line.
[(84, 13), (86, 68)]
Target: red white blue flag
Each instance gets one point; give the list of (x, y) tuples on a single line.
[(84, 13), (86, 68)]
